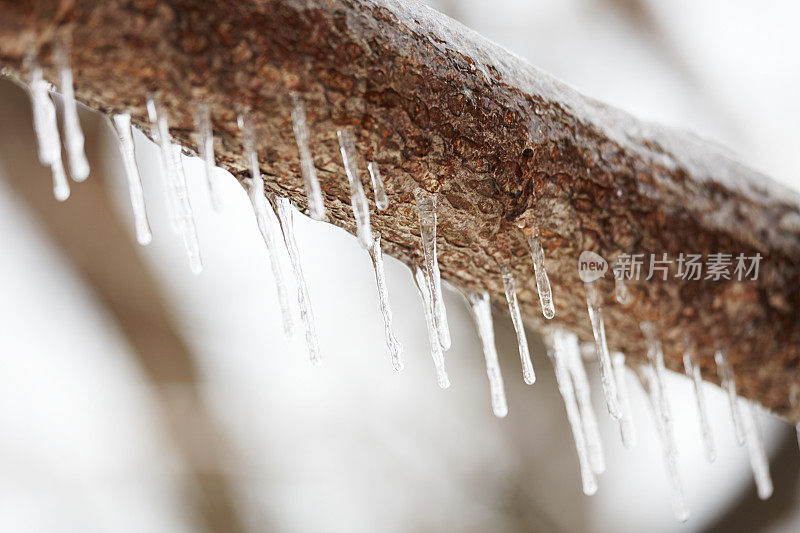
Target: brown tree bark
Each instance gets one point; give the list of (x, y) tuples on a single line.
[(439, 107)]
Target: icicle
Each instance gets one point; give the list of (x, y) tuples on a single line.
[(395, 348), (205, 147), (693, 372), (583, 394), (122, 126), (794, 399), (357, 198), (266, 224), (655, 357), (159, 131), (725, 373), (510, 286), (558, 356), (755, 449), (73, 136), (542, 281), (426, 212), (594, 303), (381, 201), (46, 127), (627, 429), (316, 204), (482, 314), (647, 376), (188, 229), (283, 210), (423, 286), (621, 291)]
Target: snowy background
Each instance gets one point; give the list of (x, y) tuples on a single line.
[(354, 446)]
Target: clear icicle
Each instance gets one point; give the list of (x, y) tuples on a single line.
[(755, 449), (621, 291), (381, 201), (542, 281), (627, 429), (647, 376), (558, 356), (205, 147), (395, 348), (283, 210), (693, 372), (423, 286), (45, 125), (594, 303), (188, 228), (316, 204), (357, 198), (655, 357), (73, 135), (122, 126), (583, 394), (510, 286), (426, 212), (482, 314), (725, 373), (794, 400), (159, 130)]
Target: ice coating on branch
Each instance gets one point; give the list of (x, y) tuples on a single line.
[(755, 450), (73, 135), (627, 429), (45, 125), (122, 126), (558, 356), (205, 147), (542, 281), (283, 210), (655, 357), (482, 314), (394, 346), (357, 198), (426, 213), (267, 225), (692, 370), (188, 228), (316, 204), (510, 286), (594, 303), (728, 381), (381, 201), (423, 286)]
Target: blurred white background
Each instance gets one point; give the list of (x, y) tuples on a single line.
[(88, 440)]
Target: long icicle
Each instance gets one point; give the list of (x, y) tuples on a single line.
[(189, 230), (283, 210), (73, 135), (728, 381), (558, 356), (426, 213), (510, 286), (692, 370), (378, 188), (122, 126), (755, 450), (266, 224), (482, 314), (594, 303), (357, 198), (423, 286), (394, 346), (157, 124), (627, 429), (205, 147), (539, 271), (655, 357), (316, 204), (45, 125)]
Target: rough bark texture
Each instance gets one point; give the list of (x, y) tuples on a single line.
[(439, 107)]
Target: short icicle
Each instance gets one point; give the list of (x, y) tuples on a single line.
[(627, 429), (122, 126), (426, 213), (594, 303), (45, 126), (728, 381), (558, 356), (423, 286), (621, 291), (510, 286), (73, 135), (692, 370), (205, 147), (539, 271), (755, 450), (482, 314), (378, 188), (265, 220), (189, 230), (357, 198), (316, 204), (394, 346)]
